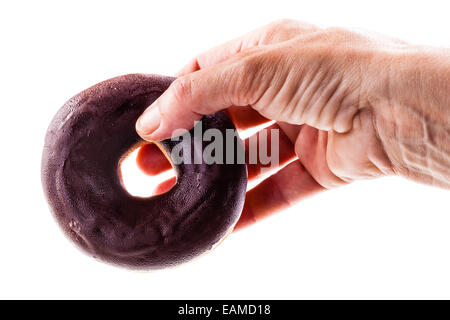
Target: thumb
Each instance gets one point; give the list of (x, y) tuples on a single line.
[(190, 97)]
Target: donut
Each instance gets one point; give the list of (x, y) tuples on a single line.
[(84, 145)]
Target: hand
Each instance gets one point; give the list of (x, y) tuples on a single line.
[(332, 93)]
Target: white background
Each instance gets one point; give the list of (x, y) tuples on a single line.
[(388, 238)]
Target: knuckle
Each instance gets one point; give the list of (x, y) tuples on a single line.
[(250, 64), (311, 116), (248, 52), (182, 88), (252, 72), (280, 30)]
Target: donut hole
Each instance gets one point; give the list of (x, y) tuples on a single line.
[(145, 171)]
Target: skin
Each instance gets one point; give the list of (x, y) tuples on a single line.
[(349, 106)]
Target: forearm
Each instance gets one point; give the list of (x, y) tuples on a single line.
[(413, 118)]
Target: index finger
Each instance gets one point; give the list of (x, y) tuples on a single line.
[(274, 32), (220, 53)]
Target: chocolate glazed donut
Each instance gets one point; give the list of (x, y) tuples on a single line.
[(80, 173)]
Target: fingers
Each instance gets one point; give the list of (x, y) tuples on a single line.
[(312, 148), (279, 191), (151, 160), (238, 73), (216, 55), (246, 118), (165, 186), (279, 147), (224, 51), (275, 32), (203, 92)]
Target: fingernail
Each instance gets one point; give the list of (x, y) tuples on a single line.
[(149, 121)]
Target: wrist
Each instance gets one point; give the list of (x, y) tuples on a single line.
[(411, 105)]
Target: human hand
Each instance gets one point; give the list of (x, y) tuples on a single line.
[(338, 98)]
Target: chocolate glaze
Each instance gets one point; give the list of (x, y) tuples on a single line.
[(80, 174)]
